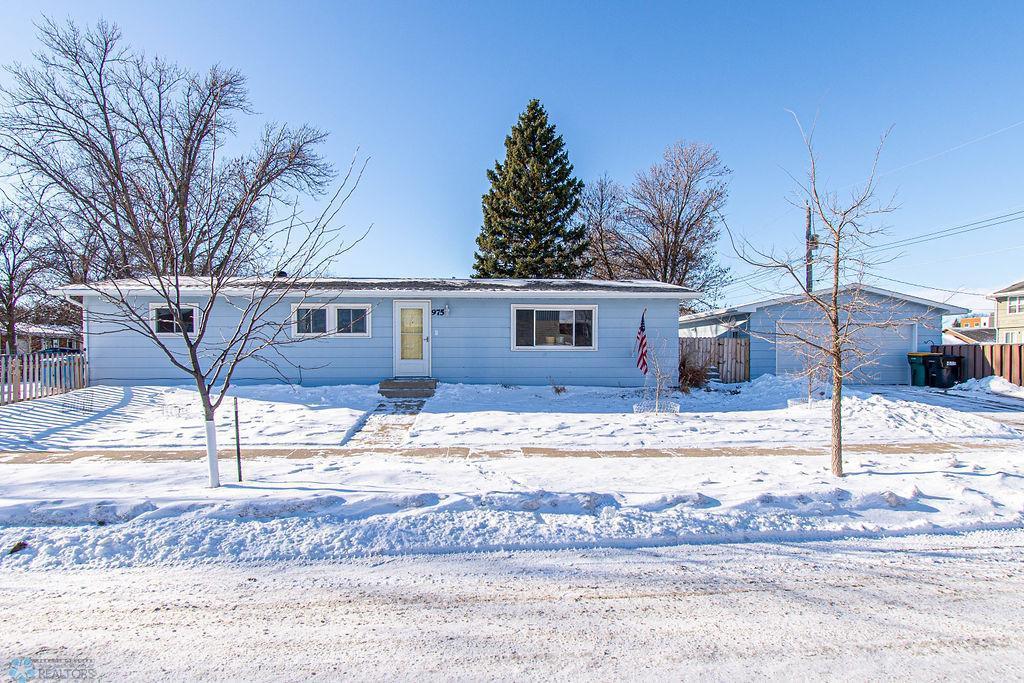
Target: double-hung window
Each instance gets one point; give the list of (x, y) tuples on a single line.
[(310, 320), (164, 320), (342, 320), (1015, 304), (554, 327), (352, 320)]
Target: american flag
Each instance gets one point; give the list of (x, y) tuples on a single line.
[(641, 345)]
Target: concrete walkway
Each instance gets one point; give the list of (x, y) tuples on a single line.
[(303, 453), (388, 424)]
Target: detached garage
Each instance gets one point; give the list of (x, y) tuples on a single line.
[(910, 324)]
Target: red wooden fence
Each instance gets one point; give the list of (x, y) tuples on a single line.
[(984, 360)]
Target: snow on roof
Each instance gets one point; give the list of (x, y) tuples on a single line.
[(464, 286), (755, 305), (48, 331), (973, 335)]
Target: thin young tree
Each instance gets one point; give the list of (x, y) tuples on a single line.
[(22, 268), (132, 151), (665, 226), (830, 335)]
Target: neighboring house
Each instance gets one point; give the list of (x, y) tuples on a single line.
[(969, 335), (454, 330), (917, 325), (972, 320), (1010, 313), (32, 338)]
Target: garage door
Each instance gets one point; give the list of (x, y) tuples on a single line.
[(885, 349)]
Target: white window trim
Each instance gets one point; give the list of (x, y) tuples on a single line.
[(152, 318), (332, 321), (1014, 305), (553, 307)]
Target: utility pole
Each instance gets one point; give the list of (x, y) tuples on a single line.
[(809, 244)]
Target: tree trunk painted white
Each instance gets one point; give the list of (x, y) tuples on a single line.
[(211, 453), (837, 420)]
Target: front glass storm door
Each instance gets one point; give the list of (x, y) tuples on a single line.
[(412, 338)]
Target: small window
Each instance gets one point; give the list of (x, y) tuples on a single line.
[(524, 327), (1015, 304), (352, 320), (164, 321), (310, 320), (553, 328), (584, 328)]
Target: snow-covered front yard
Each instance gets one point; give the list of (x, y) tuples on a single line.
[(767, 412), (170, 417)]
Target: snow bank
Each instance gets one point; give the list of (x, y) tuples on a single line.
[(169, 417), (123, 513), (991, 385)]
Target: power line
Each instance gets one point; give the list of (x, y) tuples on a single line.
[(954, 148), (951, 232), (918, 284), (992, 221), (752, 280)]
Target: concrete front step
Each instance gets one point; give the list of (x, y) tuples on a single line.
[(408, 387)]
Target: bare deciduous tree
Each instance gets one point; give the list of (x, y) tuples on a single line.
[(831, 333), (666, 225), (21, 269), (131, 152), (600, 213)]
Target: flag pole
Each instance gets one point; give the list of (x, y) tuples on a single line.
[(637, 341)]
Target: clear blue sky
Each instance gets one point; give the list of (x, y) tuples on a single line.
[(429, 90)]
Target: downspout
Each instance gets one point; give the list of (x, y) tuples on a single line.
[(85, 332)]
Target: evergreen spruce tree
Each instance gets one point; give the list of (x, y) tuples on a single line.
[(528, 229)]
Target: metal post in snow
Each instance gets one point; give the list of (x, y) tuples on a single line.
[(238, 445)]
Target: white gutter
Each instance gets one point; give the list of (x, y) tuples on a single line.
[(395, 293)]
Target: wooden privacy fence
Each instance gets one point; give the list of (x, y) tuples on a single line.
[(985, 360), (730, 356), (35, 375)]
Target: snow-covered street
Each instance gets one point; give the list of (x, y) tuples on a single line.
[(926, 608)]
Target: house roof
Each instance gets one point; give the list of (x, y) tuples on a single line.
[(1016, 287), (61, 331), (755, 305), (972, 335), (407, 286)]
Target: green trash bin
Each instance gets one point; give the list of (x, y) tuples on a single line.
[(918, 374)]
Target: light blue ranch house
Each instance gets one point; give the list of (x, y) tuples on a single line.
[(525, 332)]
